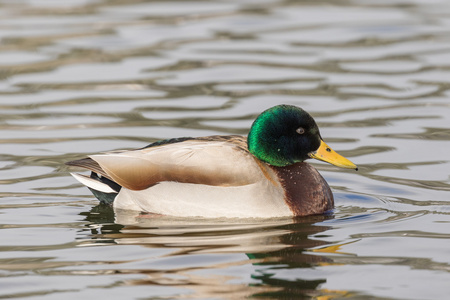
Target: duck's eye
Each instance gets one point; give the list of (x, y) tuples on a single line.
[(300, 130)]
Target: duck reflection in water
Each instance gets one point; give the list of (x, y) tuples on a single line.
[(268, 245)]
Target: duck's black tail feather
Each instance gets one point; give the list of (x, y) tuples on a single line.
[(104, 189), (103, 197), (100, 184)]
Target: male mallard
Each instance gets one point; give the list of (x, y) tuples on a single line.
[(262, 175)]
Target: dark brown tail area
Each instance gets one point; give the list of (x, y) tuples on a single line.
[(89, 164), (99, 176)]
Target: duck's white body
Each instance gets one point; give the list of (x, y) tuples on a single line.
[(197, 178), (256, 200)]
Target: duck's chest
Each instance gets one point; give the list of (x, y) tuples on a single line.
[(305, 191)]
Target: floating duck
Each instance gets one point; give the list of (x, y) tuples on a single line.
[(262, 175)]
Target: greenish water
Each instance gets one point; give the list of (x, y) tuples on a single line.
[(83, 76)]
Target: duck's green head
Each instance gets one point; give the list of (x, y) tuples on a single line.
[(284, 135)]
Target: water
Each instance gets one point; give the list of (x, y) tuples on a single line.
[(81, 77)]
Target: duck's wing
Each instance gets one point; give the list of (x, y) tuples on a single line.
[(210, 161), (90, 164)]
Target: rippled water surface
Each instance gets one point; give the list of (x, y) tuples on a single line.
[(83, 76)]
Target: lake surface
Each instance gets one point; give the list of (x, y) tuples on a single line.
[(83, 76)]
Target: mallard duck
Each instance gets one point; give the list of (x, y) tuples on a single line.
[(262, 175)]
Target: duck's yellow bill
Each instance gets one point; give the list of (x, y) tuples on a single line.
[(326, 154)]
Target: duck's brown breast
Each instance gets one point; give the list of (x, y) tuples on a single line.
[(306, 191)]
